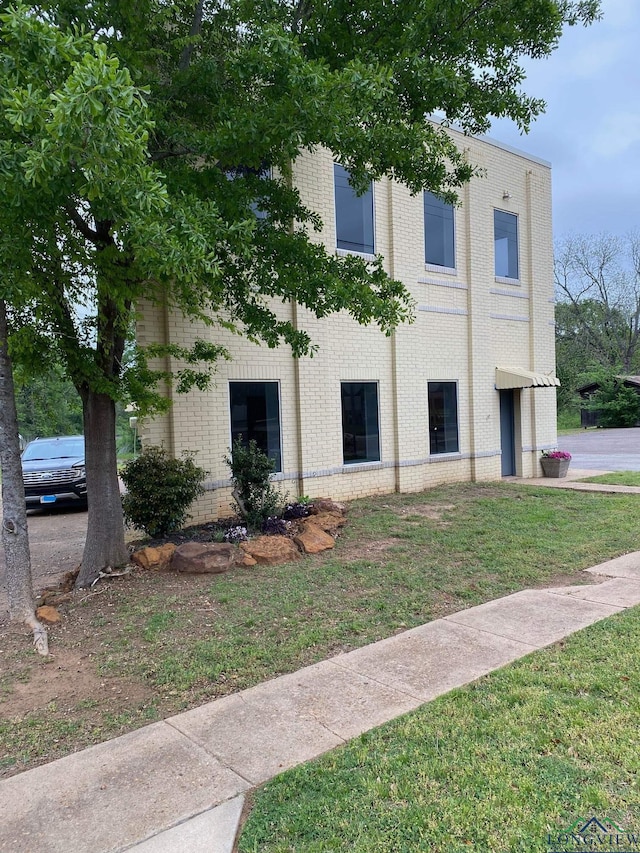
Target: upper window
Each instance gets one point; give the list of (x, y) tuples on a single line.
[(360, 432), (255, 415), (262, 172), (439, 239), (354, 214), (505, 237), (443, 417)]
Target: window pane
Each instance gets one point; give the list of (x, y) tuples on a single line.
[(443, 417), (505, 231), (263, 173), (354, 215), (255, 415), (439, 246), (360, 434)]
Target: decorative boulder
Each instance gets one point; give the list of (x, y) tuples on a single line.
[(326, 505), (271, 550), (326, 521), (313, 539), (48, 614), (200, 558), (154, 559), (245, 560)]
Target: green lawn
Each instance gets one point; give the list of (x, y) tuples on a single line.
[(395, 567), (169, 642), (496, 766), (616, 478)]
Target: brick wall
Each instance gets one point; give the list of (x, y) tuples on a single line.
[(467, 323)]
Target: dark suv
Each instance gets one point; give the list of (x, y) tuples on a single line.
[(53, 471)]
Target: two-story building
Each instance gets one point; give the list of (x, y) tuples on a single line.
[(465, 392)]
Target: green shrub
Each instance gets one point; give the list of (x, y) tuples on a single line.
[(251, 472), (160, 490), (617, 405)]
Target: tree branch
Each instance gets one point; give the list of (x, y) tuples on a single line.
[(81, 225), (196, 26), (166, 155)]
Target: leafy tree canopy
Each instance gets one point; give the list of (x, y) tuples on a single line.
[(133, 137), (598, 313)]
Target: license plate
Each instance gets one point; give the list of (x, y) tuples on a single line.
[(48, 499)]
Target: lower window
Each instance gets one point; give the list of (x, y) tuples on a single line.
[(360, 431), (255, 415), (443, 417)]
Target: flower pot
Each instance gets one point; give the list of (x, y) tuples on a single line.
[(554, 467)]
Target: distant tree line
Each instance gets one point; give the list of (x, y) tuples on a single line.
[(597, 281), (48, 404)]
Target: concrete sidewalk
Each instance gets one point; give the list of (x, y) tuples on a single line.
[(178, 786), (572, 481)]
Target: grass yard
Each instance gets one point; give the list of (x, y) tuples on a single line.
[(142, 647), (496, 766), (616, 478)]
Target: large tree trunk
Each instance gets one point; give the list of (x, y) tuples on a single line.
[(105, 546), (15, 537)]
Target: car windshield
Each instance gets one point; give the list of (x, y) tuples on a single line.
[(61, 448)]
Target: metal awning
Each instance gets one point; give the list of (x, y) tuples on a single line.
[(517, 377)]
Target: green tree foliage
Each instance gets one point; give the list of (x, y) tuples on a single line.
[(47, 404), (598, 312), (584, 346), (132, 142), (160, 490), (616, 404)]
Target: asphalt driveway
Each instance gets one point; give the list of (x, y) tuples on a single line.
[(603, 449)]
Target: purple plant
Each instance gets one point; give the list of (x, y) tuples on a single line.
[(556, 454), (295, 510), (274, 526), (236, 534)]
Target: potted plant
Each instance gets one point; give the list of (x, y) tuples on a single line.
[(555, 463)]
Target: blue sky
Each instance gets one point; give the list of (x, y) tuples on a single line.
[(591, 130)]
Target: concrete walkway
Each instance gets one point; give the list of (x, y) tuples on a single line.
[(178, 786), (571, 481)]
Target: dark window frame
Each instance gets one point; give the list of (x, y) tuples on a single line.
[(439, 232), (348, 208), (444, 429), (264, 436), (506, 228), (360, 443)]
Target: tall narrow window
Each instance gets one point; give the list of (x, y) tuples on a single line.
[(505, 237), (354, 214), (443, 417), (439, 238), (255, 415), (263, 173), (360, 432)]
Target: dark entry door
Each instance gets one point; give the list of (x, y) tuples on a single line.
[(508, 432)]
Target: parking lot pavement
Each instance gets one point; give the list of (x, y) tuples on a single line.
[(603, 449), (56, 540)]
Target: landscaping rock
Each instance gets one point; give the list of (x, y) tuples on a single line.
[(198, 558), (326, 521), (271, 550), (326, 505), (48, 614), (52, 597), (245, 560), (154, 559), (313, 539)]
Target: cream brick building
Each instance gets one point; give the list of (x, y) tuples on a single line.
[(466, 392)]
